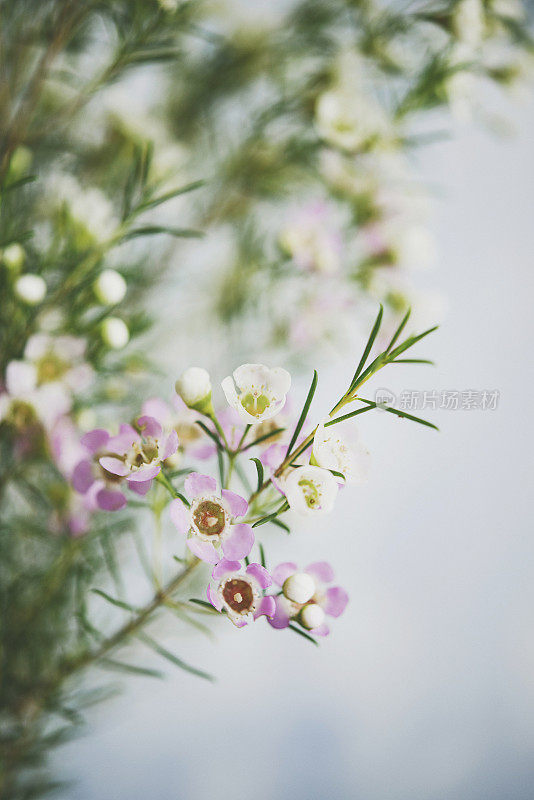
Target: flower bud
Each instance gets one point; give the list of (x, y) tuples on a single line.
[(13, 256), (31, 289), (194, 387), (299, 587), (115, 333), (312, 616), (110, 287)]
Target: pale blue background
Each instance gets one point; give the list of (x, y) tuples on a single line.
[(425, 691)]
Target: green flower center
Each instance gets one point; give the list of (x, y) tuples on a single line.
[(238, 595), (50, 368), (209, 518), (310, 492), (21, 414), (142, 453), (254, 404)]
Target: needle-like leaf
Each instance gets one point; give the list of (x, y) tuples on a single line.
[(304, 412), (259, 467), (368, 346)]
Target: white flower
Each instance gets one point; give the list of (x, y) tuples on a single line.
[(24, 402), (115, 333), (469, 23), (59, 358), (31, 288), (310, 490), (349, 118), (256, 392), (337, 447), (110, 287), (299, 587), (194, 387)]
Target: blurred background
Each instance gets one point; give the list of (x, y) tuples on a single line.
[(425, 689)]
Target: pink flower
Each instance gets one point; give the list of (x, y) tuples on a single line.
[(305, 597), (241, 592), (128, 456), (192, 439), (210, 522), (137, 454)]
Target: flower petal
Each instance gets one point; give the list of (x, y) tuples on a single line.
[(170, 445), (140, 487), (203, 550), (281, 617), (82, 476), (110, 500), (238, 543), (197, 484), (321, 570), (336, 601), (260, 574), (114, 465), (238, 505), (21, 378), (158, 409), (95, 440), (214, 598), (282, 572), (150, 426), (322, 630), (145, 473), (224, 567), (267, 607), (230, 393), (122, 442), (180, 515)]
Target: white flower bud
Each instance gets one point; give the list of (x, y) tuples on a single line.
[(299, 587), (115, 333), (13, 256), (110, 287), (194, 387), (31, 288), (312, 616)]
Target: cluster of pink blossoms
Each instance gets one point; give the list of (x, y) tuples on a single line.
[(217, 523)]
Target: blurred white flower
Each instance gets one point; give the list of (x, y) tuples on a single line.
[(89, 207), (350, 119), (24, 402), (338, 447), (59, 359), (115, 333), (312, 241), (110, 287), (31, 289)]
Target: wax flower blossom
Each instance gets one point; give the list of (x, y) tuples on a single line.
[(257, 392), (177, 415), (194, 387), (306, 598), (137, 454), (131, 455), (309, 489), (337, 447), (24, 403), (312, 241), (240, 592), (209, 522), (59, 358)]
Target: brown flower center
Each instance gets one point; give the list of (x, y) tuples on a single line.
[(209, 518), (238, 595)]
